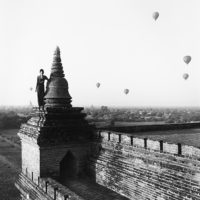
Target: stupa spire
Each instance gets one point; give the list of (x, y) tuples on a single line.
[(57, 90), (57, 69), (57, 51)]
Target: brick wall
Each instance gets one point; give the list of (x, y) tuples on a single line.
[(50, 157), (45, 160), (146, 169), (44, 189), (30, 158)]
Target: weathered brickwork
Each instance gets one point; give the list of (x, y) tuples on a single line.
[(44, 161), (30, 159), (52, 156), (141, 169), (43, 189), (133, 167)]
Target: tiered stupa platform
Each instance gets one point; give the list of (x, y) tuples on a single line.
[(55, 141)]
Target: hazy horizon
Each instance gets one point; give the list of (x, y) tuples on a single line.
[(114, 42), (114, 107)]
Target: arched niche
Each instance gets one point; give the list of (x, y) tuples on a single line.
[(68, 167)]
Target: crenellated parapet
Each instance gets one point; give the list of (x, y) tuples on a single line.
[(150, 145), (145, 169), (43, 188)]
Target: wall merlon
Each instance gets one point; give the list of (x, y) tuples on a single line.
[(114, 138), (138, 142), (170, 148), (154, 145), (190, 151), (125, 139)]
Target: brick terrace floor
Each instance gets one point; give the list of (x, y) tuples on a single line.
[(90, 190), (189, 137)]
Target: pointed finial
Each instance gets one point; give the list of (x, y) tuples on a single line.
[(57, 69), (57, 49), (57, 52)]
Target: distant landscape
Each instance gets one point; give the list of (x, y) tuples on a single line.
[(13, 116), (105, 117), (141, 116)]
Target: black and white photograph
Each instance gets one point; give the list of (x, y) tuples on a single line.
[(100, 100)]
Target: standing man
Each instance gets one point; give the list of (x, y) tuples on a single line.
[(40, 88)]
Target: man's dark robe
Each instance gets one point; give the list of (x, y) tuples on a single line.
[(40, 89)]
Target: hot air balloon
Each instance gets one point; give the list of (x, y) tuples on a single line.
[(98, 85), (187, 59), (155, 15), (185, 76), (126, 91)]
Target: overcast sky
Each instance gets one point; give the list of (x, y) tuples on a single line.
[(114, 42)]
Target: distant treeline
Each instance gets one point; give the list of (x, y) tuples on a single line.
[(25, 110), (166, 115), (12, 120)]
